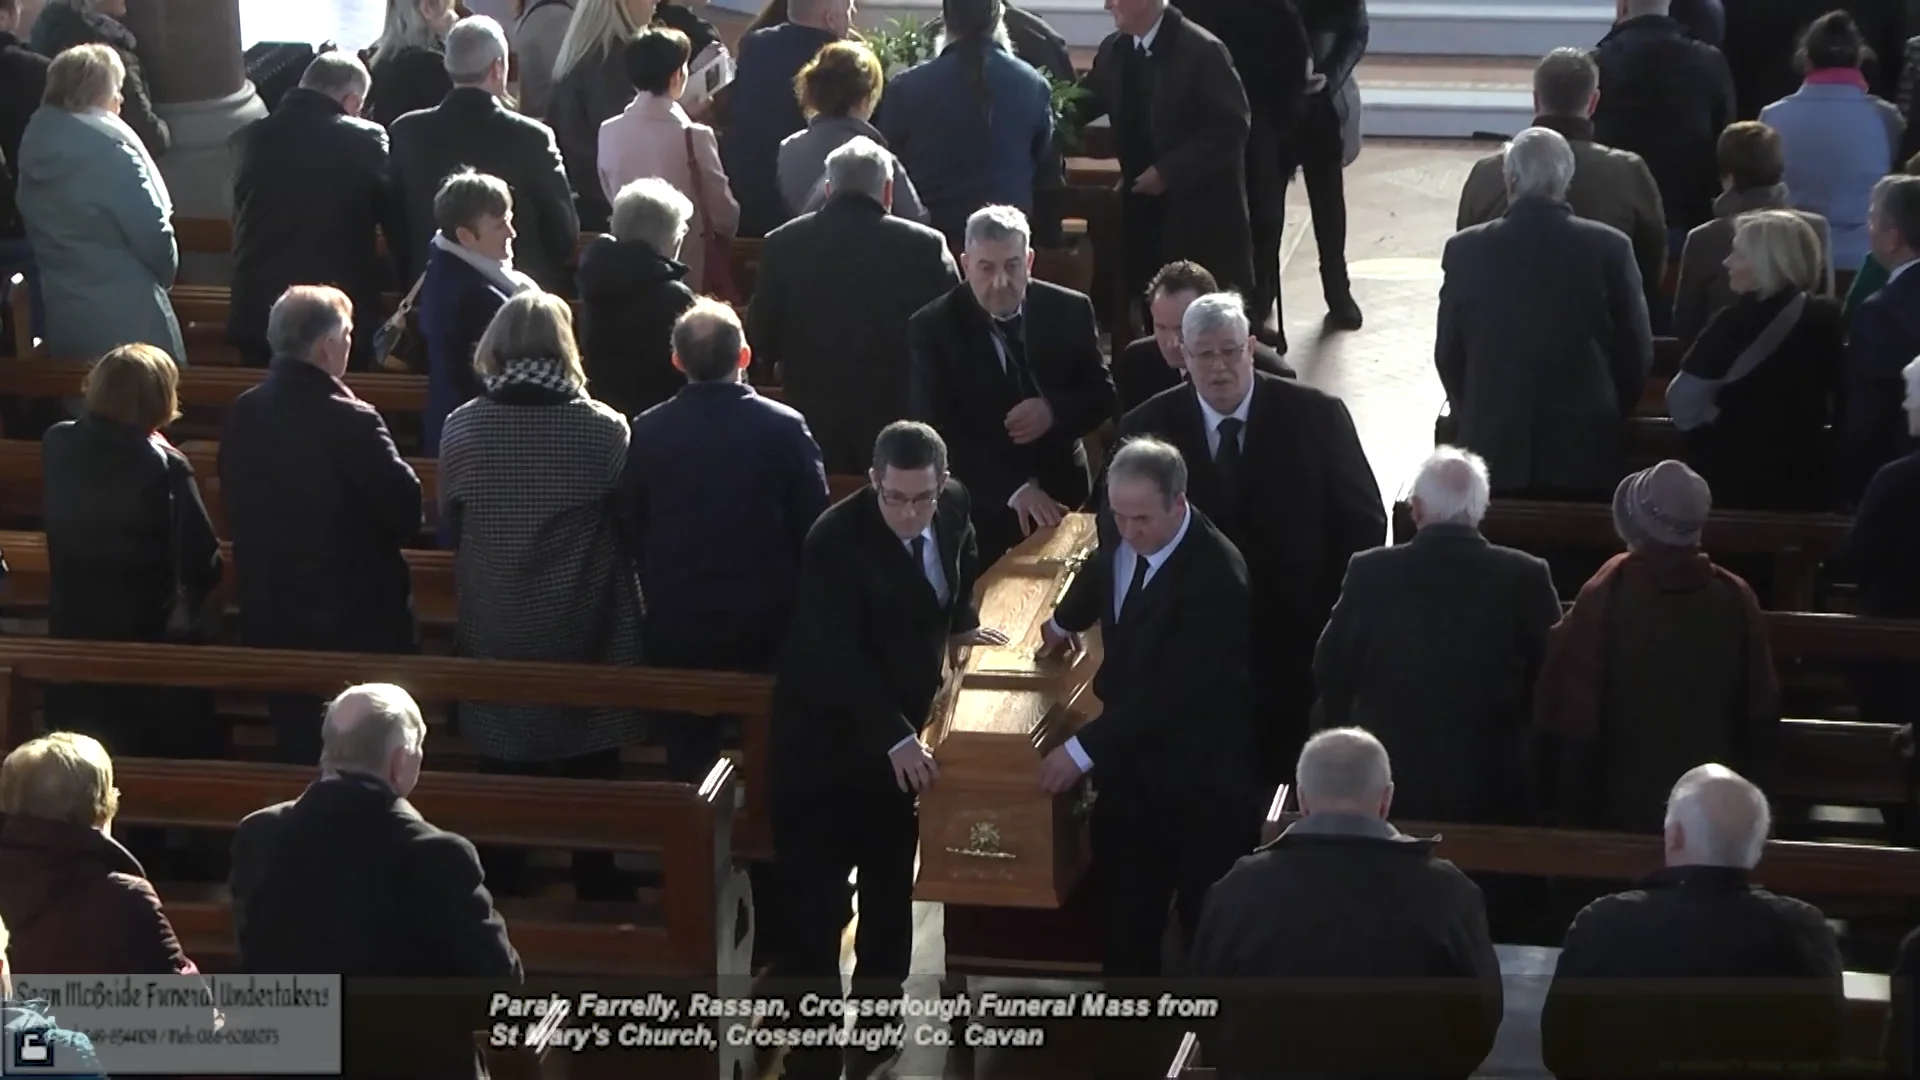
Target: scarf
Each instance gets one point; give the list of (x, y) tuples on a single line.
[(534, 373), (1567, 701), (501, 274), (1837, 77), (113, 127)]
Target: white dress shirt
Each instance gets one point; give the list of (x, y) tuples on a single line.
[(936, 576), (1123, 560), (1213, 417), (1145, 41)]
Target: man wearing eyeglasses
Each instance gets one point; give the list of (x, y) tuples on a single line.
[(886, 590), (1279, 467), (1008, 370)]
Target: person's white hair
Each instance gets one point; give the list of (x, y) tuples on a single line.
[(1215, 311), (1453, 487), (1781, 249), (405, 27), (474, 45), (365, 725), (597, 28), (654, 212), (859, 166), (1539, 161), (994, 224), (1343, 767), (1724, 816)]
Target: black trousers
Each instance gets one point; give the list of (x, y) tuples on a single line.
[(1266, 216), (1148, 856), (594, 875), (822, 834), (693, 742), (1318, 155)]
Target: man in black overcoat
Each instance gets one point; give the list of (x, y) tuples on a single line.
[(310, 195), (886, 590), (1171, 753), (1008, 370), (1291, 488)]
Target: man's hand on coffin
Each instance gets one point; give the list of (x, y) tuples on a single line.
[(1036, 509), (1056, 643), (1058, 771), (979, 635), (913, 767)]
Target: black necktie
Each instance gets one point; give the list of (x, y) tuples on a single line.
[(918, 545), (1014, 340), (1133, 590), (1226, 459)]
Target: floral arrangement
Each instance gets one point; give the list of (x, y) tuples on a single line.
[(900, 44)]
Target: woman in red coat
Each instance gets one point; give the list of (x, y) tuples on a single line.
[(76, 901)]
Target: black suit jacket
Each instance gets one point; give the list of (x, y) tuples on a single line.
[(830, 308), (868, 647), (1434, 647), (957, 384), (319, 504), (23, 82), (349, 879), (1141, 371), (309, 191), (473, 128), (1315, 503), (1176, 723)]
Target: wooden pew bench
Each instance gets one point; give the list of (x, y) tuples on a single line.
[(1797, 544), (29, 663), (695, 928)]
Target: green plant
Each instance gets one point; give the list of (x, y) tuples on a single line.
[(900, 44), (1064, 101)]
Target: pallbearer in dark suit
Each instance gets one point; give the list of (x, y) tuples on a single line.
[(1171, 752), (886, 589), (1279, 466), (1152, 364), (1009, 371), (1181, 117)]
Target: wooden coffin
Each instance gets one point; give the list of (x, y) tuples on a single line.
[(988, 834)]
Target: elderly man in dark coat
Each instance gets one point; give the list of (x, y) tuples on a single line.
[(474, 128), (1543, 341), (319, 503), (310, 192), (1378, 935), (831, 303), (1756, 977), (1434, 646), (1181, 118), (1279, 467)]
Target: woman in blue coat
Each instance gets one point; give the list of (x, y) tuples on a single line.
[(469, 277)]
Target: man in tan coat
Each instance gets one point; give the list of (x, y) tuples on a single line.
[(1613, 187)]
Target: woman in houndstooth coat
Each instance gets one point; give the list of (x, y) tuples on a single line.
[(527, 471)]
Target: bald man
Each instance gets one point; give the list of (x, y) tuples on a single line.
[(1343, 894), (1701, 918)]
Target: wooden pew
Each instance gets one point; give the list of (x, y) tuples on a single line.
[(27, 663), (705, 909), (1798, 544), (24, 589)]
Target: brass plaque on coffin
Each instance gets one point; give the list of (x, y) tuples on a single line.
[(988, 835)]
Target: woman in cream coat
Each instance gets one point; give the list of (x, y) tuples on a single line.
[(653, 138)]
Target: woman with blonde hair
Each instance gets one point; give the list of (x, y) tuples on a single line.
[(408, 60), (527, 476), (1754, 393), (591, 85), (76, 901), (98, 214), (838, 91)]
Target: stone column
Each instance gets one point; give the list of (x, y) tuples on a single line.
[(190, 50)]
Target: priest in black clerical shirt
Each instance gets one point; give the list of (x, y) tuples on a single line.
[(1279, 467), (886, 589), (1008, 371)]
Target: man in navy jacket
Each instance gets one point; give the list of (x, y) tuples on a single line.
[(720, 488), (1871, 429)]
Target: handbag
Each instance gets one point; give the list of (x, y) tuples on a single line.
[(397, 345), (192, 620), (719, 282)]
